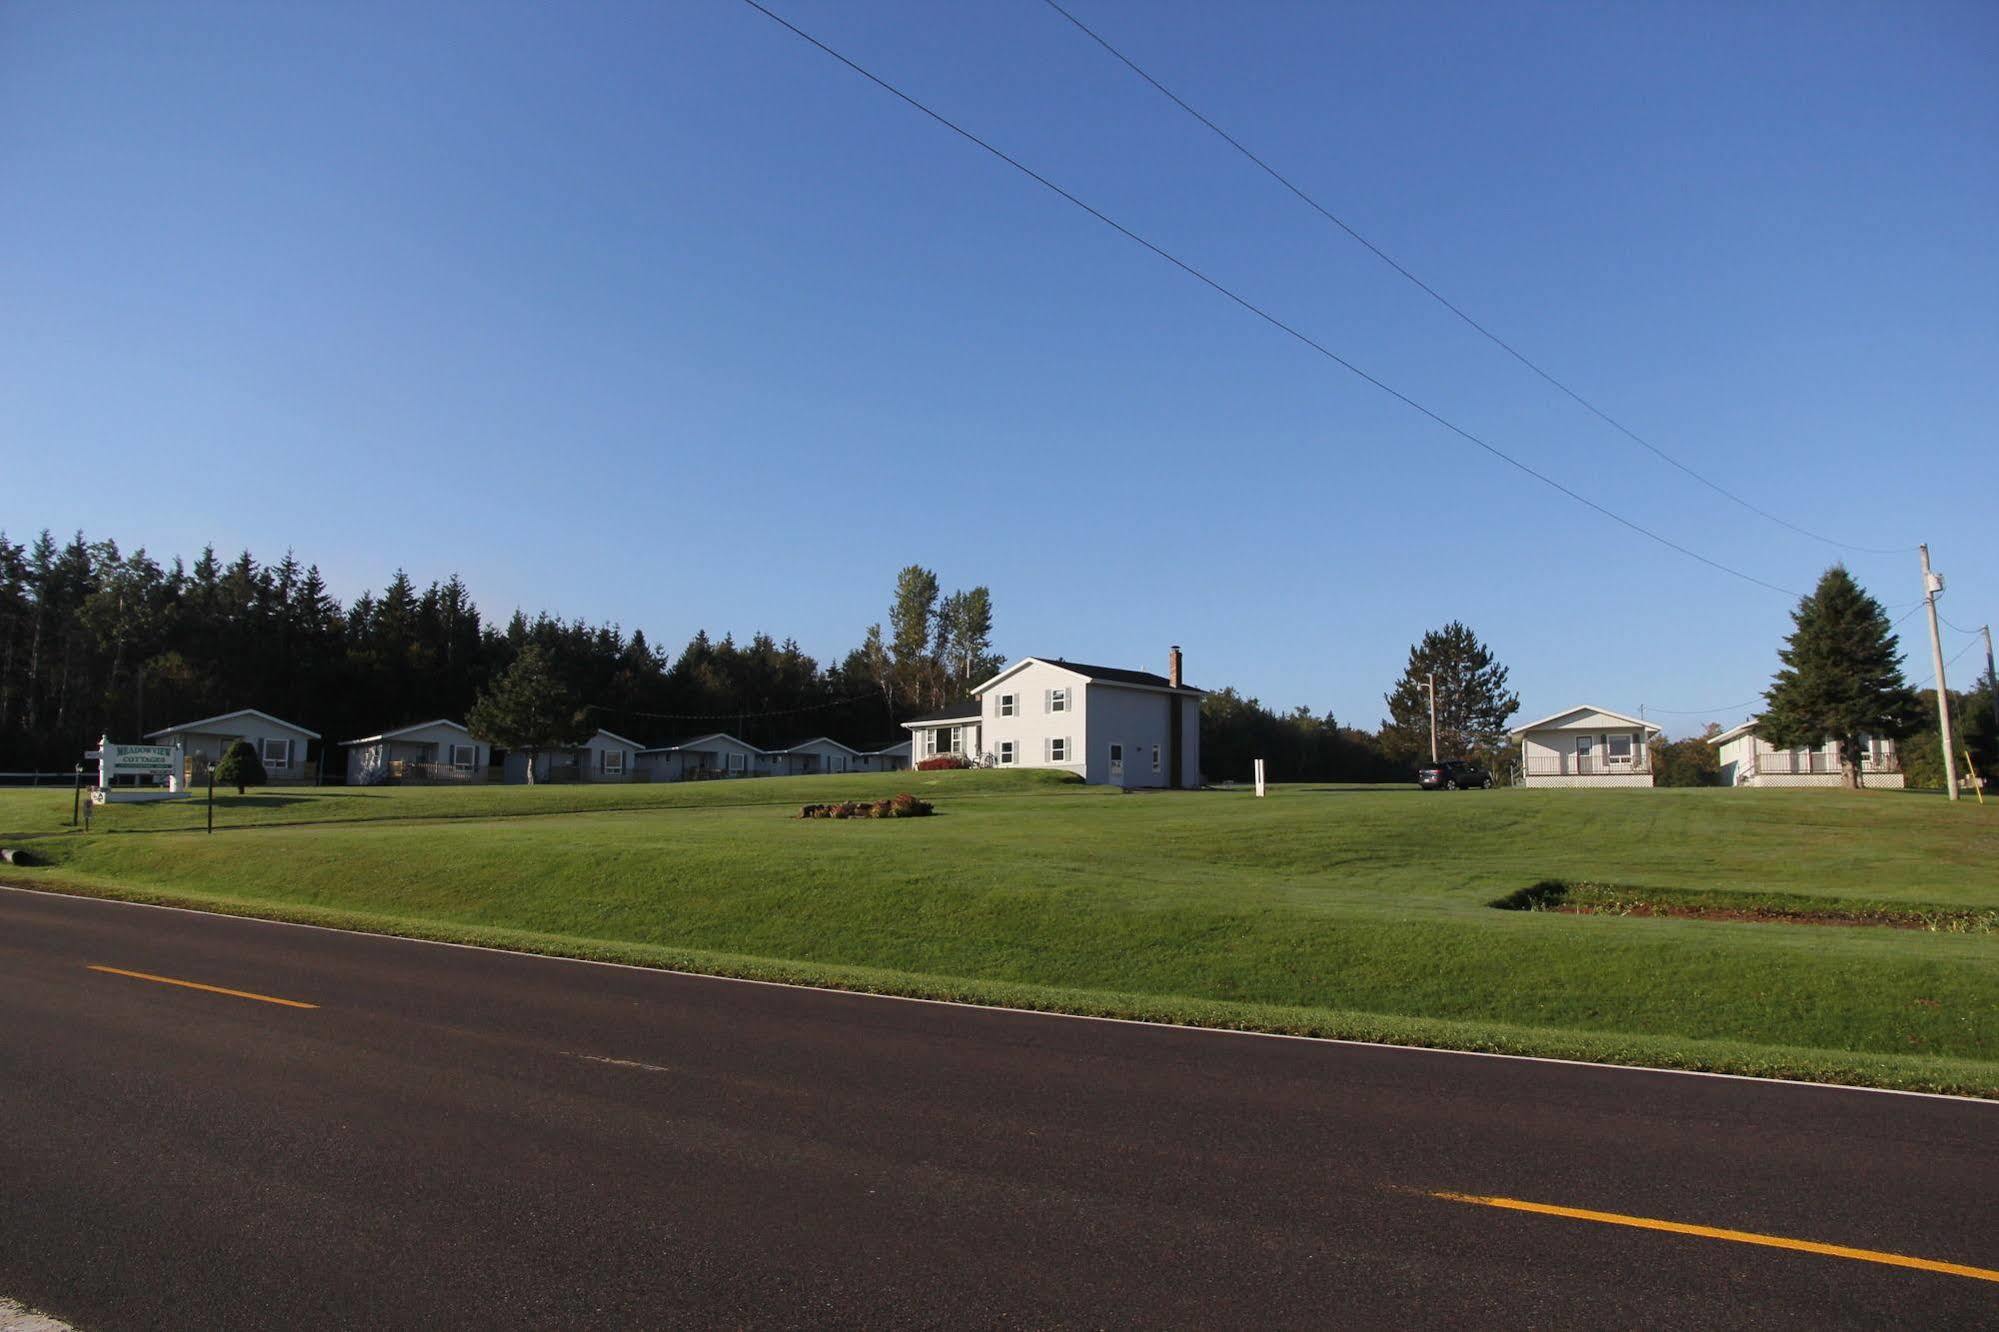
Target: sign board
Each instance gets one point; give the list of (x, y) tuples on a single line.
[(155, 759), (161, 765), (1259, 779)]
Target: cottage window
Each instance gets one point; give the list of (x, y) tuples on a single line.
[(464, 757), (1620, 749), (1058, 749), (1006, 704), (1058, 700), (1006, 753), (277, 753), (611, 761), (735, 763)]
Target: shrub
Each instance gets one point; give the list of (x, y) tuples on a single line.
[(943, 762), (240, 768), (902, 806)]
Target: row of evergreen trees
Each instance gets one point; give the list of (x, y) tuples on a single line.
[(95, 640)]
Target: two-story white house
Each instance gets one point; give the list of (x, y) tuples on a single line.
[(1108, 725), (1747, 759)]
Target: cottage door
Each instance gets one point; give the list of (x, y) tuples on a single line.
[(1585, 753)]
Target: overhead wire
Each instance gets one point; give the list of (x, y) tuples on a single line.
[(1257, 310), (733, 716), (1451, 306), (1704, 712)]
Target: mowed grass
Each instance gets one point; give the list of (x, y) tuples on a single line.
[(1336, 911)]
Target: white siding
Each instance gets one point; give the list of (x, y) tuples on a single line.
[(369, 764), (721, 755), (1750, 760), (206, 746), (1549, 757), (1032, 726), (968, 743)]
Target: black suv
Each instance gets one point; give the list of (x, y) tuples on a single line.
[(1452, 775)]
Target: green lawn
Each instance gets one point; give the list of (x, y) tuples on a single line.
[(1339, 911)]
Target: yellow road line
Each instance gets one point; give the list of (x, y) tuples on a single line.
[(1738, 1236), (197, 985)]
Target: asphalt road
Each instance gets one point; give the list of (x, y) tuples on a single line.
[(459, 1138)]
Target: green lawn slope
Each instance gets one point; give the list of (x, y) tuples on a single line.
[(1324, 910)]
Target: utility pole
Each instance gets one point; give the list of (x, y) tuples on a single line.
[(1431, 686), (1991, 680), (1933, 584)]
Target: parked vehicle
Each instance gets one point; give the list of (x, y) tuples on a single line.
[(1453, 775)]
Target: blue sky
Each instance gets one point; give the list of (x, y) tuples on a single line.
[(655, 314)]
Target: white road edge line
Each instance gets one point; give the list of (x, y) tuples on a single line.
[(606, 1059), (18, 1317), (1023, 1012)]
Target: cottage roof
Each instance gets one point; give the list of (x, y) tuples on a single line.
[(406, 730), (227, 716), (688, 742), (1639, 722), (790, 745)]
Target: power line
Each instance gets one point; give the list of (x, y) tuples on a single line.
[(1931, 678), (1440, 299), (1259, 311), (732, 716), (1954, 628), (1704, 712)]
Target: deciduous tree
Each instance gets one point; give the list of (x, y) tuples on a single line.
[(528, 710)]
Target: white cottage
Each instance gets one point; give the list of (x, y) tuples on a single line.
[(434, 752), (810, 758), (702, 756), (604, 757), (1107, 725), (883, 758), (1588, 747), (1749, 760), (283, 746)]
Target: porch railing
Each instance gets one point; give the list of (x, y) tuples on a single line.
[(409, 773), (1569, 765)]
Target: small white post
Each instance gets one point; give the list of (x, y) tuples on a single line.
[(1259, 779)]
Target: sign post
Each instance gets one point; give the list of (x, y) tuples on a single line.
[(1259, 779), (76, 796)]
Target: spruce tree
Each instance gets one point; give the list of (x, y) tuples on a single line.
[(1842, 676), (1473, 703)]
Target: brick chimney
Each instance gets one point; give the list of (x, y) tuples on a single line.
[(1173, 666)]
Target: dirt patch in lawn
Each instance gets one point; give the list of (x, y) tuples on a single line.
[(1599, 899)]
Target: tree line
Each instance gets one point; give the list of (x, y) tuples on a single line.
[(97, 640)]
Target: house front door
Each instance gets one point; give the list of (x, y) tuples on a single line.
[(1117, 765), (1585, 753)]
